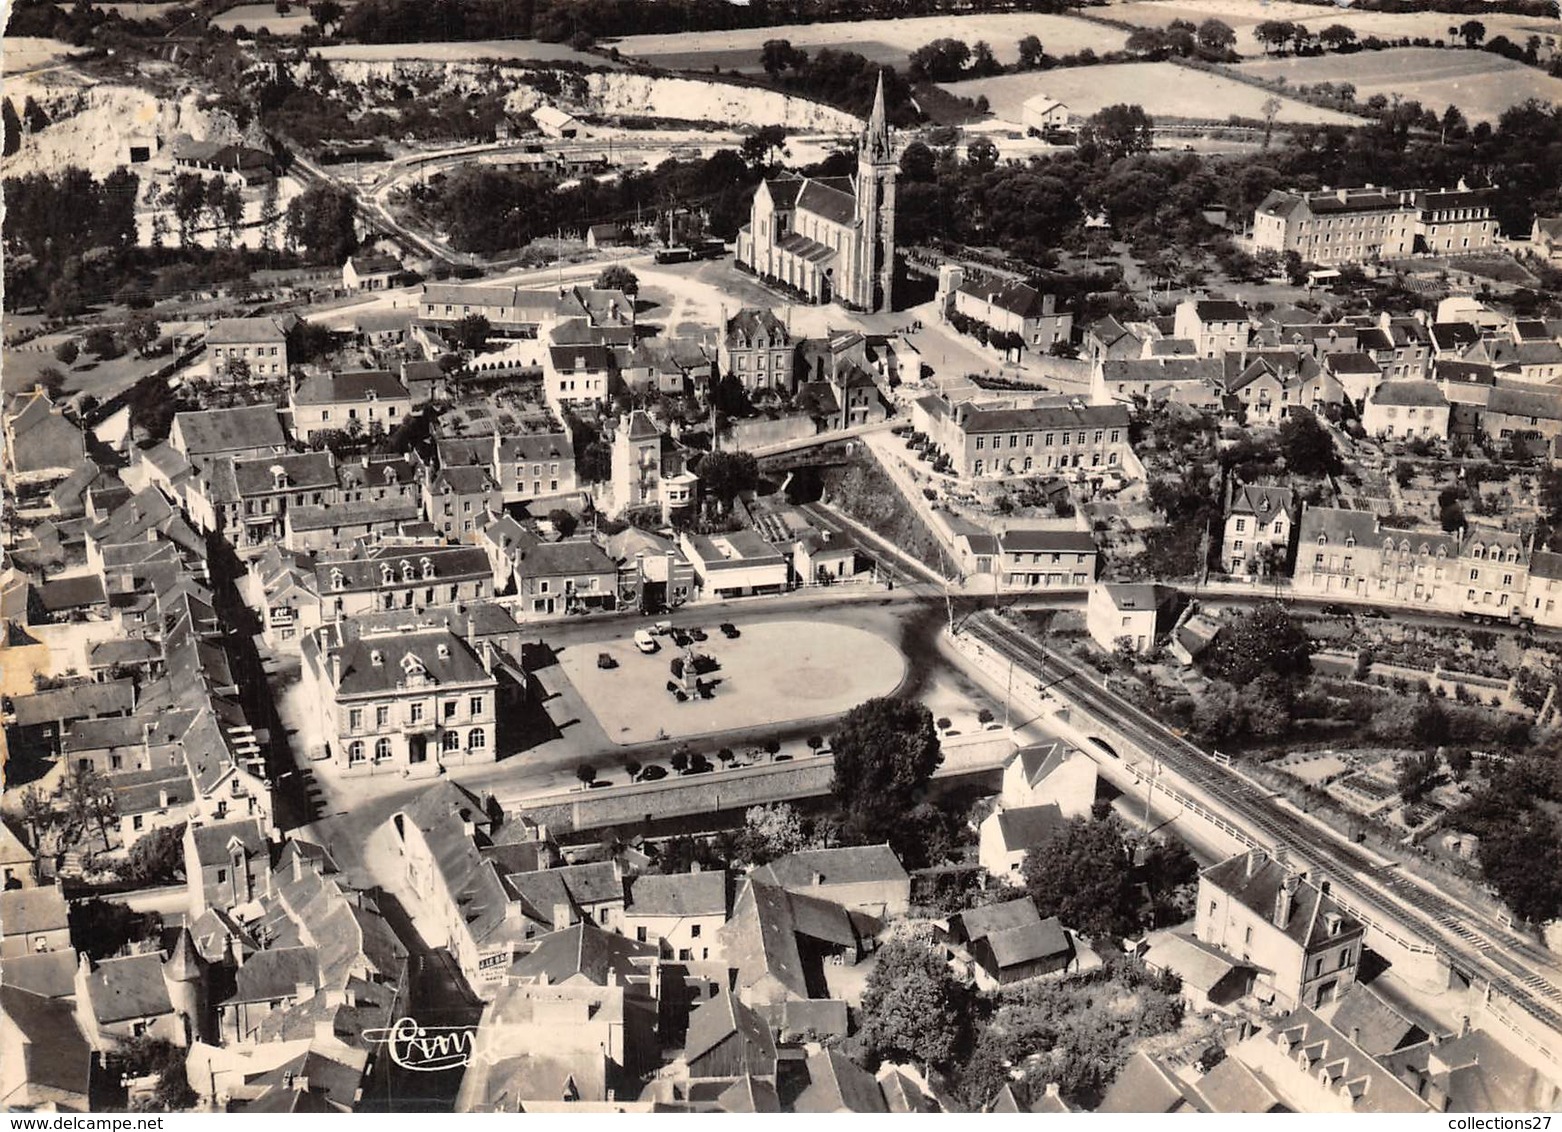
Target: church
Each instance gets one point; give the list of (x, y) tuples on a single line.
[(832, 238)]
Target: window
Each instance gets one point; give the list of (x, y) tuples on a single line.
[(417, 713), (476, 739), (476, 704), (137, 822), (381, 717), (450, 709), (354, 752), (602, 915), (450, 741), (694, 931), (382, 749), (1241, 525), (355, 719), (640, 935)]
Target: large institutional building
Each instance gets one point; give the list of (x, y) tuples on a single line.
[(1355, 225), (832, 238)]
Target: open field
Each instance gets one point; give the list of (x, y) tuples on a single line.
[(1164, 89), (1242, 15), (1481, 84), (463, 52), (883, 41), (776, 672), (255, 17), (24, 53)]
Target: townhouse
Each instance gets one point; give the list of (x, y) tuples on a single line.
[(402, 577), (1406, 410), (1214, 326), (1038, 559), (204, 435), (460, 500), (1013, 308), (245, 500), (252, 347), (649, 469), (392, 701), (757, 348), (994, 441), (353, 402)]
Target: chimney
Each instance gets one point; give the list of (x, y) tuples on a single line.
[(1355, 1035), (471, 632), (818, 878), (1252, 863), (162, 799), (560, 917), (488, 657), (1285, 898), (300, 1082), (298, 866), (1052, 1089)]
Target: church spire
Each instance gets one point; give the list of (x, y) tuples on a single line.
[(876, 137)]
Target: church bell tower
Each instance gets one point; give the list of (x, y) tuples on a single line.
[(876, 169)]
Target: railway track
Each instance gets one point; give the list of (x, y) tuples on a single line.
[(1483, 952)]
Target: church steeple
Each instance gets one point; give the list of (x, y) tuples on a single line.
[(875, 139)]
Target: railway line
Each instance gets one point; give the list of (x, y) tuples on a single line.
[(1407, 910)]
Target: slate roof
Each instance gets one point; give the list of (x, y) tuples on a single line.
[(976, 419), (745, 327), (375, 264), (127, 988), (1041, 541), (275, 973), (1416, 394), (581, 951), (1258, 891), (1232, 1087), (1015, 297), (1220, 310), (207, 432), (717, 1019), (1143, 1086), (828, 202), (682, 894), (535, 446), (1371, 1023), (1310, 1044), (1518, 403), (43, 439), (51, 974), (445, 658), (349, 386), (571, 557), (55, 1055), (838, 1085), (245, 331), (1026, 827), (450, 563), (784, 191), (211, 841), (860, 864), (25, 911)]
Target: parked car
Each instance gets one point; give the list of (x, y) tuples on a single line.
[(1335, 609), (698, 634), (1377, 613), (730, 631), (662, 628), (605, 660), (653, 773), (680, 638), (645, 642)]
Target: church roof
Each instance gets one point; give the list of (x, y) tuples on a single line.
[(828, 201)]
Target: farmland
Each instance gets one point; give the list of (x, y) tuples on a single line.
[(1244, 15), (25, 53), (884, 41), (1166, 90), (1481, 84)]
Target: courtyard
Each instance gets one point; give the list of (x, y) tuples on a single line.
[(776, 672)]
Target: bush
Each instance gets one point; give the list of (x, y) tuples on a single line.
[(67, 351)]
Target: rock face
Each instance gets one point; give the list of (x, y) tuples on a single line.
[(614, 92), (95, 127)]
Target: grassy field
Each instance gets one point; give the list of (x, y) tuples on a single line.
[(464, 52), (23, 53), (884, 41), (1242, 15), (254, 17), (1482, 85), (1166, 90)]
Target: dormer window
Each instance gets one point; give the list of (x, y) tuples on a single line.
[(428, 568), (387, 575), (406, 572), (412, 667), (377, 658), (1323, 540), (337, 581), (444, 652), (1350, 541)]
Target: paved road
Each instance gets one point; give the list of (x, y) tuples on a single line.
[(1399, 904)]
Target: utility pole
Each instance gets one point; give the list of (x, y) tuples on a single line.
[(1008, 695), (1149, 789)]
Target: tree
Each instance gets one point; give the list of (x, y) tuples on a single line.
[(885, 751), (586, 773), (1271, 108), (918, 162), (942, 61), (102, 928), (1307, 445), (1031, 52), (67, 351), (1146, 41), (1120, 130), (563, 521), (1337, 37), (1472, 31), (1460, 760), (725, 475), (89, 801), (983, 62), (157, 857), (772, 831), (912, 1007), (617, 277), (101, 343), (680, 760), (761, 147), (1216, 35), (1263, 640), (472, 332), (37, 813), (1417, 775), (1274, 33), (326, 13), (13, 127), (141, 331), (321, 222), (982, 155), (777, 55), (188, 202), (33, 115), (1083, 874)]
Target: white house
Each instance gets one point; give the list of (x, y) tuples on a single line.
[(1050, 774), (1135, 612), (1042, 112), (370, 272), (1007, 835)]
